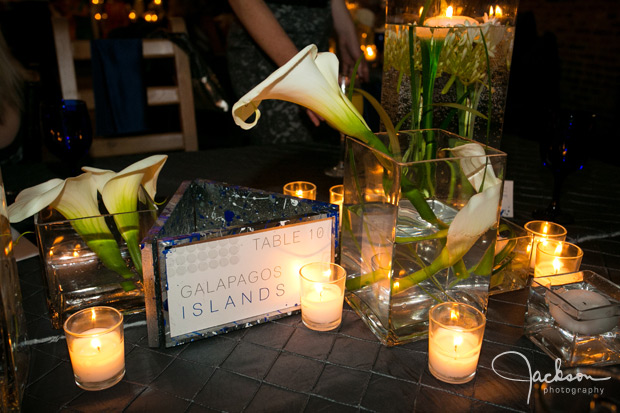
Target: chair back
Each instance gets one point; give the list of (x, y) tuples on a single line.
[(70, 52)]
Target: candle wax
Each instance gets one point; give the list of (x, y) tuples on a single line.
[(97, 358), (445, 21), (452, 361), (582, 300), (547, 268), (323, 307)]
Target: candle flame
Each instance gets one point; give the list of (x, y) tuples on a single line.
[(545, 228), (370, 53), (421, 10), (491, 11), (454, 315), (556, 265), (93, 314), (458, 340), (95, 343), (558, 249), (299, 193), (449, 11), (498, 11)]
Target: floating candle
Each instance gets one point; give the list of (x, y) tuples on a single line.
[(601, 316), (440, 25)]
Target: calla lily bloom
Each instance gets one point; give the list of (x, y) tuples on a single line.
[(76, 199), (475, 166), (474, 219), (119, 192), (309, 79)]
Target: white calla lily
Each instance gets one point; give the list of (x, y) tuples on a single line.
[(475, 166), (76, 199), (473, 220), (149, 168), (119, 192), (309, 79)]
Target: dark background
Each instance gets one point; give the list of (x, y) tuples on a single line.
[(566, 54)]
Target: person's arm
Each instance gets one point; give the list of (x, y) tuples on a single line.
[(348, 41), (265, 29)]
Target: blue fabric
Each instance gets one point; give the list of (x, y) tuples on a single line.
[(120, 95)]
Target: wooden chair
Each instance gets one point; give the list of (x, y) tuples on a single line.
[(70, 51)]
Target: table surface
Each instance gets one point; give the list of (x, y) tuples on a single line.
[(282, 365)]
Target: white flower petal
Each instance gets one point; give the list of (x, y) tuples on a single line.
[(150, 168), (474, 165), (309, 80), (120, 194), (32, 200), (78, 198), (473, 220)]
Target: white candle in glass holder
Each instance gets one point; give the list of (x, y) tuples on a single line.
[(322, 287), (541, 231), (96, 346), (556, 257), (97, 357), (455, 332), (454, 353), (323, 304), (300, 189)]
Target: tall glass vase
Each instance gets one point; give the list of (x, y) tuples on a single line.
[(418, 230), (447, 65), (14, 354)]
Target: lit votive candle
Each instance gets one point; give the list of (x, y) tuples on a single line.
[(301, 189), (543, 231), (96, 347), (556, 257), (454, 341), (322, 295)]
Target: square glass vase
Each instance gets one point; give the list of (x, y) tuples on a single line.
[(76, 276), (511, 270), (396, 244), (574, 317)]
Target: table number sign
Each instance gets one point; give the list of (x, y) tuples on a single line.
[(221, 258)]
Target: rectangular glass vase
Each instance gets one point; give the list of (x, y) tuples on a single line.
[(402, 259), (76, 277)]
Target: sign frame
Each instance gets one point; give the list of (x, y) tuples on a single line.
[(198, 217)]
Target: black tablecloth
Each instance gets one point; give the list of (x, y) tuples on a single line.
[(282, 365)]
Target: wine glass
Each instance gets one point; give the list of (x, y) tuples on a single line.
[(563, 149), (67, 132)]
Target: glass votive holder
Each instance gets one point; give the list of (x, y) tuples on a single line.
[(301, 189), (455, 332), (96, 347), (322, 295), (540, 231), (557, 257), (336, 194)]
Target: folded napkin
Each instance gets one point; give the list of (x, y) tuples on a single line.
[(120, 96)]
